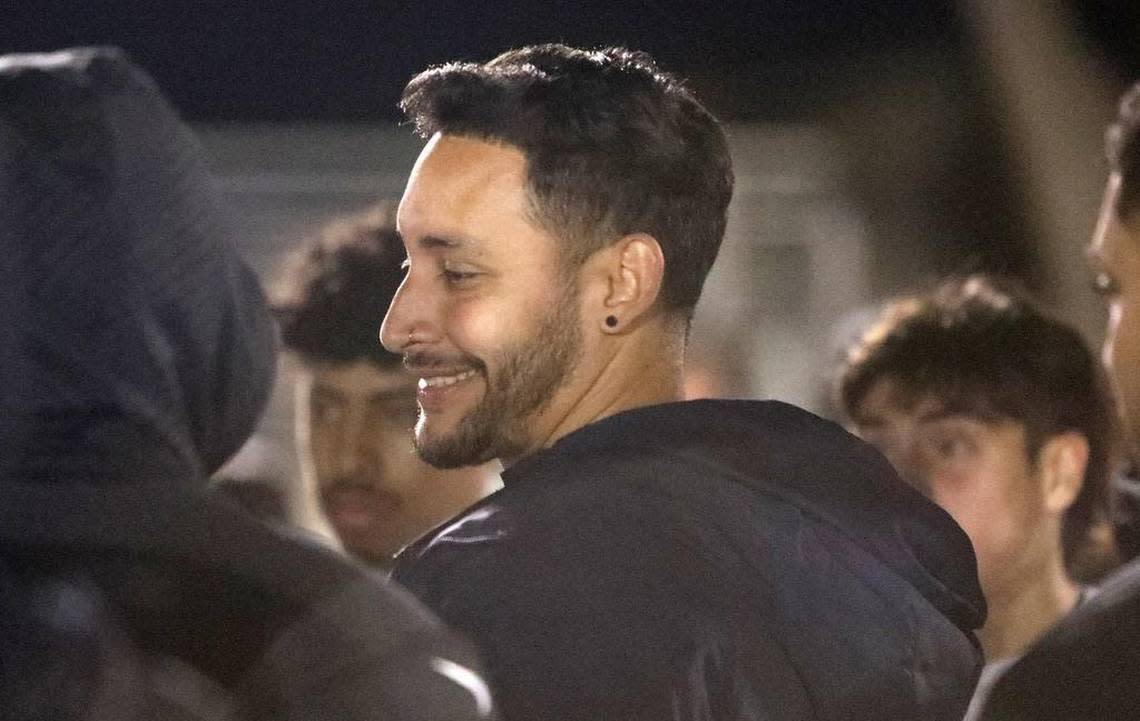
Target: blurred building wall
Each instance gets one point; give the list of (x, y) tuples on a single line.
[(1054, 100)]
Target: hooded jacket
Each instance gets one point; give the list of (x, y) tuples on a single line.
[(709, 560), (136, 355)]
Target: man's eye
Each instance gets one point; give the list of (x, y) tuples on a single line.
[(950, 449), (1104, 285)]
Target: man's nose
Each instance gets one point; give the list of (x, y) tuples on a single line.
[(393, 329), (913, 474), (353, 448), (901, 459), (408, 319)]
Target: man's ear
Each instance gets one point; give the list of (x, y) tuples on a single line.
[(1061, 463), (632, 270)]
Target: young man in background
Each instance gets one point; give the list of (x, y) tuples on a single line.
[(1000, 415), (355, 403)]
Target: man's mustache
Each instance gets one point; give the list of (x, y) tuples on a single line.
[(340, 484), (427, 361)]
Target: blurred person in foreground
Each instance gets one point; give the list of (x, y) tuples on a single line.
[(646, 558), (1000, 415), (136, 354), (1087, 667), (356, 403)]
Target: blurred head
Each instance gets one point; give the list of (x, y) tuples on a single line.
[(565, 196), (136, 343), (356, 404), (998, 414), (1115, 260)]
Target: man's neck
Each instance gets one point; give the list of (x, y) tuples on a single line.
[(1017, 620), (641, 372)]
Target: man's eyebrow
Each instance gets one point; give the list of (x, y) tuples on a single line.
[(948, 412), (939, 414), (433, 242), (871, 422)]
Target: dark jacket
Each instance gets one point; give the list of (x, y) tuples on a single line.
[(709, 560), (136, 354), (1086, 668)]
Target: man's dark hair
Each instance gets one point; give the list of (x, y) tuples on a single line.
[(613, 146), (335, 290), (1123, 153), (989, 353)]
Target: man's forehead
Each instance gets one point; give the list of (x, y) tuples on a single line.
[(470, 195), (458, 167), (895, 401)]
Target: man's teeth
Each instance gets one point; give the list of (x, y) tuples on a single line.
[(442, 381)]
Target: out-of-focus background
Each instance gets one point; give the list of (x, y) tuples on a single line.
[(878, 145)]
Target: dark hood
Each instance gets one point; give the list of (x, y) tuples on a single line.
[(778, 449), (135, 345)]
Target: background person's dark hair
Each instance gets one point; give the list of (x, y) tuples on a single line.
[(990, 353), (613, 146), (335, 291), (1123, 151)]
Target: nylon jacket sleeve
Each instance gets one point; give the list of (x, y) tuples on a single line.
[(400, 666)]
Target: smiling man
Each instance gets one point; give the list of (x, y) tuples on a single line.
[(646, 558), (356, 405)]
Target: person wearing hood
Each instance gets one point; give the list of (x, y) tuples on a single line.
[(136, 355), (646, 558)]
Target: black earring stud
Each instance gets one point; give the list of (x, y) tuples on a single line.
[(611, 321)]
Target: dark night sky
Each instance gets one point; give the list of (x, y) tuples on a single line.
[(347, 60)]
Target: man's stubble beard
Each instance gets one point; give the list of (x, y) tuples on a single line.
[(529, 373)]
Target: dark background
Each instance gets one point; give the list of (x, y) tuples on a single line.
[(347, 60)]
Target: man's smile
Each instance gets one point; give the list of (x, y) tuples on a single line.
[(440, 381)]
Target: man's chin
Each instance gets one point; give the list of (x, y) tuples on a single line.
[(447, 450)]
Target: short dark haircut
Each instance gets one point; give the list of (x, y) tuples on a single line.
[(1123, 153), (613, 146), (335, 290), (987, 351)]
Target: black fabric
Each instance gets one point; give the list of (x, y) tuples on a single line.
[(130, 322), (1085, 668), (709, 560), (1126, 514), (136, 354)]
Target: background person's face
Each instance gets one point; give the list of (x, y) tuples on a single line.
[(978, 472), (486, 315), (377, 495), (1114, 257)]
